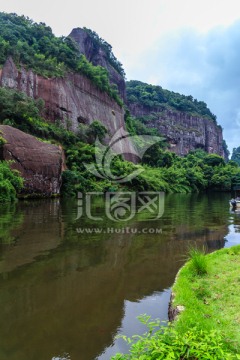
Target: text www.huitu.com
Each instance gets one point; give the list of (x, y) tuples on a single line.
[(126, 230)]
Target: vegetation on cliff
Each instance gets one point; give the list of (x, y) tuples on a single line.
[(153, 96), (162, 170), (10, 182), (35, 47), (207, 328), (100, 43)]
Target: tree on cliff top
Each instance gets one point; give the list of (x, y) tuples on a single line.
[(107, 48), (155, 96), (36, 47)]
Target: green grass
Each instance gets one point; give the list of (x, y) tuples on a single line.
[(211, 297), (198, 261), (208, 327)]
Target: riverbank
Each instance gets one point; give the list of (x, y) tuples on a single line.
[(205, 307), (211, 299)]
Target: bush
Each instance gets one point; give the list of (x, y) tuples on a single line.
[(10, 183), (167, 343)]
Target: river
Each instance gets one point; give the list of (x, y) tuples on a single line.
[(66, 294)]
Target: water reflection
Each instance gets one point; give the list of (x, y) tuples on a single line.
[(65, 295)]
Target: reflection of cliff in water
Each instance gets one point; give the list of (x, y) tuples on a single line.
[(71, 298), (10, 219), (33, 228)]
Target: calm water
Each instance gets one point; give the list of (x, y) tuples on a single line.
[(66, 295)]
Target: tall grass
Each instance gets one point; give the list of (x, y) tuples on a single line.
[(198, 261)]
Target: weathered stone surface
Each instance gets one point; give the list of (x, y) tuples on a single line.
[(73, 100), (173, 311), (183, 131), (39, 163), (73, 97), (97, 56)]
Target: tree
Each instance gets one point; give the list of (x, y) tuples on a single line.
[(236, 155)]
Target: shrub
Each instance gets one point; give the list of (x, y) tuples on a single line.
[(167, 343), (2, 140), (10, 183)]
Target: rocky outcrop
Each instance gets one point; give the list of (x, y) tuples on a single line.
[(98, 56), (72, 100), (174, 311), (184, 132), (39, 163)]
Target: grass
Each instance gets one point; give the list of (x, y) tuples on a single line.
[(198, 261), (208, 288), (208, 328)]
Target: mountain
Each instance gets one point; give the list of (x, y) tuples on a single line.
[(99, 52), (70, 90), (186, 123), (80, 81)]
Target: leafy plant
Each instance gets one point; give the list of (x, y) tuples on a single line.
[(167, 343), (10, 182)]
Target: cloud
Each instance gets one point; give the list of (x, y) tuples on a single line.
[(204, 65)]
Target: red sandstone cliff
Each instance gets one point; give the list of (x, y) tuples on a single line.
[(73, 100), (39, 163), (97, 56), (73, 97), (184, 132)]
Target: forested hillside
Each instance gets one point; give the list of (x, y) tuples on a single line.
[(35, 47), (154, 96)]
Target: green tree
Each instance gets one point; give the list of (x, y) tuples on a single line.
[(236, 155)]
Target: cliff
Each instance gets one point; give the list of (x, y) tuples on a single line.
[(183, 131), (39, 163), (73, 97), (97, 54)]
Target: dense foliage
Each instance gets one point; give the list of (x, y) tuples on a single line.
[(166, 343), (36, 47), (155, 96), (236, 155), (161, 169), (10, 183), (100, 43)]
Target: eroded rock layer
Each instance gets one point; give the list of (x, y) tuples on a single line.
[(39, 163), (184, 132)]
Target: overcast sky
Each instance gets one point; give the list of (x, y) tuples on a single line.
[(191, 47)]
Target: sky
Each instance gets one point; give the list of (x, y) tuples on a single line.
[(188, 46)]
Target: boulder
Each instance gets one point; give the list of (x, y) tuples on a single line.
[(39, 163)]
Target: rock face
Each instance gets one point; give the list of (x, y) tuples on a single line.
[(97, 56), (174, 311), (39, 163), (73, 100), (183, 131)]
